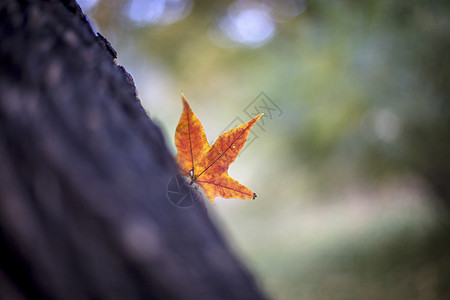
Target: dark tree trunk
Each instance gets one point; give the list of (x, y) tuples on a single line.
[(84, 211)]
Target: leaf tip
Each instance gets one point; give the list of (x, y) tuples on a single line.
[(258, 117), (185, 103)]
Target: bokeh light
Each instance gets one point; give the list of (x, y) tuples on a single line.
[(87, 5), (252, 26), (148, 12)]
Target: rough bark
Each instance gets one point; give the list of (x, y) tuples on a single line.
[(84, 211)]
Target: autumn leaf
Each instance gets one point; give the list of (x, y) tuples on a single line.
[(208, 165)]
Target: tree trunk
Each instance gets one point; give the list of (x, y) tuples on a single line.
[(84, 211)]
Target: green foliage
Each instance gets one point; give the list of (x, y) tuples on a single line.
[(364, 89)]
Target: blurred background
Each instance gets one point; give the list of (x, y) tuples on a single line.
[(351, 160)]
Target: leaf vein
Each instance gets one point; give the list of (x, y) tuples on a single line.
[(226, 187), (243, 131)]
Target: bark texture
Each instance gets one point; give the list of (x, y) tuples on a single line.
[(84, 211)]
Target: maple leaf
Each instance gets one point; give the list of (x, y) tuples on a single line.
[(208, 165)]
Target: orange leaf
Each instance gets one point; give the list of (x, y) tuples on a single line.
[(208, 165)]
